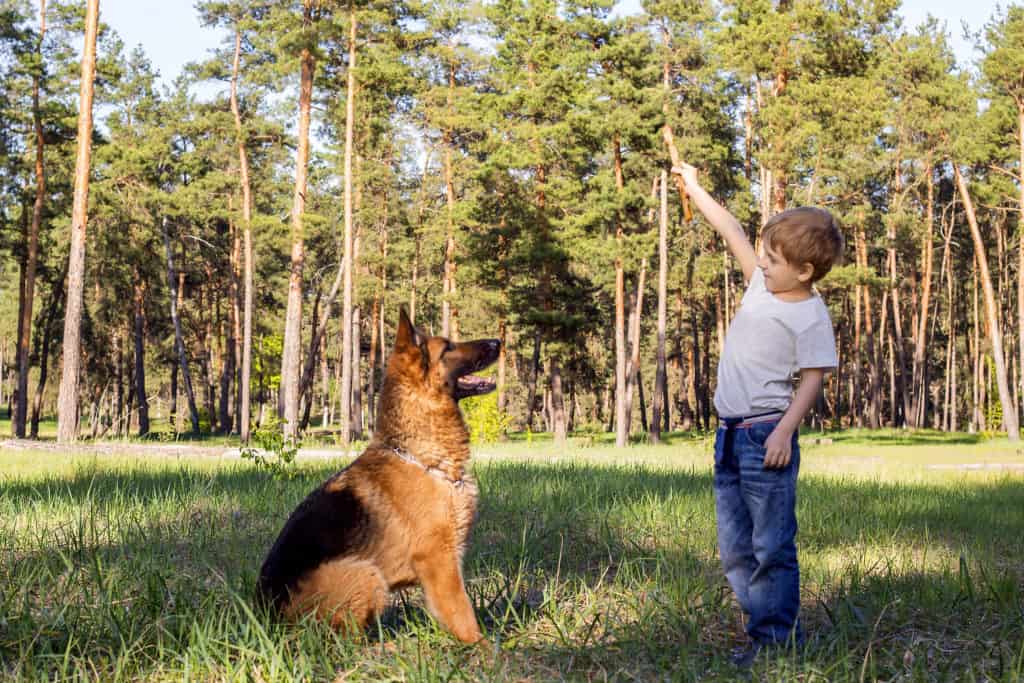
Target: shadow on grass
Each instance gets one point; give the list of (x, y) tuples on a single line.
[(577, 510), (900, 437)]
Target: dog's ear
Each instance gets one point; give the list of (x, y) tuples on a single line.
[(408, 336)]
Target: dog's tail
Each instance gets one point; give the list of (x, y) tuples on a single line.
[(346, 591)]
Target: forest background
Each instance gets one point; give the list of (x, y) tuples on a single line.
[(234, 242)]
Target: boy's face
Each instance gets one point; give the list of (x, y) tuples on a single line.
[(782, 277)]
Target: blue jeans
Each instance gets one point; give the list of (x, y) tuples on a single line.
[(756, 511)]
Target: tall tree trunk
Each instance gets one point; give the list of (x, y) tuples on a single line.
[(693, 378), (659, 401), (544, 285), (644, 425), (52, 310), (919, 390), (243, 416), (633, 362), (949, 410), (172, 413), (778, 176), (325, 386), (503, 338), (306, 385), (559, 426), (1020, 252), (346, 321), (227, 372), (954, 369), (685, 366), (977, 416), (94, 410), (377, 323), (414, 278), (609, 398), (874, 403), (22, 268), (371, 370), (318, 335), (205, 303), (357, 384), (1010, 422), (946, 277), (293, 316), (856, 399), (899, 375), (383, 299), (449, 313), (179, 341), (67, 403), (235, 292), (120, 373), (531, 395), (894, 408), (335, 392), (621, 390), (422, 205), (503, 278), (705, 376), (32, 257), (139, 300)]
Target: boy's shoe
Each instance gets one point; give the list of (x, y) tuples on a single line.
[(745, 656)]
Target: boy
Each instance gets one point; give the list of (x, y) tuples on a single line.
[(782, 327)]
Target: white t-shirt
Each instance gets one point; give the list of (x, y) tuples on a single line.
[(768, 341)]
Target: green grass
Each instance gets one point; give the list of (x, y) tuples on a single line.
[(47, 427), (586, 563)]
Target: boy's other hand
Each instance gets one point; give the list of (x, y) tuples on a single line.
[(688, 172), (778, 449)]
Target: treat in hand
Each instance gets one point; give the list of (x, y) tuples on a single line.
[(687, 172)]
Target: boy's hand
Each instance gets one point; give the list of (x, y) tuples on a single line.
[(778, 449), (688, 172)]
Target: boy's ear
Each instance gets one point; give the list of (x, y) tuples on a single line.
[(806, 273), (408, 336)]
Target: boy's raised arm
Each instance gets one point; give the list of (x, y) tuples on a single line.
[(721, 220)]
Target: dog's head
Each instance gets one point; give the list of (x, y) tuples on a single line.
[(443, 366)]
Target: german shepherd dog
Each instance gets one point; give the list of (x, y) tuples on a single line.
[(401, 513)]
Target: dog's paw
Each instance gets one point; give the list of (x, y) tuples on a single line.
[(485, 646)]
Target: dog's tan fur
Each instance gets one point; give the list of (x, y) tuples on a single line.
[(391, 520)]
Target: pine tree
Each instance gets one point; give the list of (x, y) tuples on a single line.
[(239, 17), (306, 44), (67, 409), (125, 219), (1002, 68), (32, 256)]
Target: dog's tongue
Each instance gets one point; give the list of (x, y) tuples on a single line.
[(473, 383)]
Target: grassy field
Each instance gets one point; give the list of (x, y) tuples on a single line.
[(588, 563)]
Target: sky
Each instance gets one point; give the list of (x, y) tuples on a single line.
[(171, 35)]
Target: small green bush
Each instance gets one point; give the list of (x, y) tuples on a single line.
[(487, 424), (272, 452)]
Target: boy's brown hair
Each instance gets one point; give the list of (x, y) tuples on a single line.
[(806, 235)]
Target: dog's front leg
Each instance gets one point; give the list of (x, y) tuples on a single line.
[(441, 578)]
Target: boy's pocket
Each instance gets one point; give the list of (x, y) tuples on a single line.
[(759, 432), (720, 436)]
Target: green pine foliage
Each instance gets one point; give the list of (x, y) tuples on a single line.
[(485, 145)]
